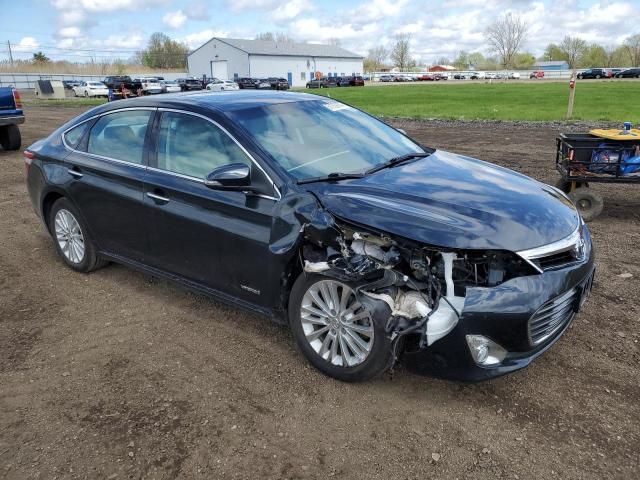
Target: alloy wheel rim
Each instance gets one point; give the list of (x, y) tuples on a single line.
[(69, 236), (336, 325)]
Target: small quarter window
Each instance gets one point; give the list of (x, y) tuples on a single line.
[(193, 146), (74, 136), (120, 135)]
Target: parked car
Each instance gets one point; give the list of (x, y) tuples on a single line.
[(263, 84), (69, 84), (629, 73), (615, 71), (11, 115), (319, 83), (514, 76), (440, 76), (123, 85), (459, 76), (247, 82), (593, 73), (478, 76), (169, 86), (537, 74), (192, 83), (426, 77), (220, 85), (386, 78), (300, 210), (150, 85), (279, 83), (91, 89), (350, 81)]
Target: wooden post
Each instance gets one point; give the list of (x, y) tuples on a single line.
[(572, 94)]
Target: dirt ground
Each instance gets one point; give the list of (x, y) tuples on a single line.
[(117, 375)]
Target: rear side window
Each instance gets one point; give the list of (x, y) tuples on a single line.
[(193, 146), (120, 135), (74, 136)]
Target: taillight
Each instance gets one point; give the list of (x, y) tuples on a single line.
[(29, 157), (17, 99)]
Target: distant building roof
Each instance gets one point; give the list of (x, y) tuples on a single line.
[(441, 68), (554, 63), (267, 47)]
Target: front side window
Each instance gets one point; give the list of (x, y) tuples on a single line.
[(193, 146), (120, 135), (315, 138)]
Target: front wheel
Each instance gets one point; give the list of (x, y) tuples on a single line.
[(336, 332), (71, 238)]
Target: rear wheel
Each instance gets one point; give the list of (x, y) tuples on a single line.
[(71, 238), (335, 331), (10, 138), (565, 185), (588, 203)]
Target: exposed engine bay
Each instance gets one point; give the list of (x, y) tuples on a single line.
[(423, 286)]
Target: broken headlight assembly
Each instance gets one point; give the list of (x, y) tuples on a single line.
[(424, 287)]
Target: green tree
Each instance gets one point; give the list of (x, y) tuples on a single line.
[(461, 62), (552, 53), (162, 52), (632, 46), (476, 60), (375, 59), (40, 57), (594, 56), (523, 61)]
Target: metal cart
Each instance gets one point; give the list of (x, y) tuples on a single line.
[(580, 159)]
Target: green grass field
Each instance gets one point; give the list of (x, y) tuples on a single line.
[(544, 101)]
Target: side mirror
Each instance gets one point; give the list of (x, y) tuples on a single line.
[(235, 176)]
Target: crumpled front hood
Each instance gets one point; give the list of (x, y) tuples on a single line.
[(453, 201)]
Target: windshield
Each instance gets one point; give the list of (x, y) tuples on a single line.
[(315, 138)]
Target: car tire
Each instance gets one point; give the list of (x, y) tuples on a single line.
[(10, 138), (86, 94), (588, 203), (375, 358), (71, 238)]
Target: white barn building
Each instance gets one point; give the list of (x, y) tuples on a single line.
[(230, 58)]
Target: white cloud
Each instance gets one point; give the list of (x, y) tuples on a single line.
[(291, 9), (70, 32), (194, 40), (101, 6), (26, 44), (175, 20)]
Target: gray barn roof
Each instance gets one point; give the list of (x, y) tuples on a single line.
[(266, 47)]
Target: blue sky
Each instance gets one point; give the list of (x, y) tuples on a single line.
[(82, 29)]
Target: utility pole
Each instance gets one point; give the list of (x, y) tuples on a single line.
[(10, 54), (572, 94)]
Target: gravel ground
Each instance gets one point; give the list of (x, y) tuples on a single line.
[(117, 375)]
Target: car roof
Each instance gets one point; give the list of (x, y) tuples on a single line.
[(226, 102)]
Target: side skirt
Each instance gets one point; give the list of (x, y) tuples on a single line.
[(278, 317)]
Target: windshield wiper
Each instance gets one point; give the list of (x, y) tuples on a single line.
[(331, 177), (397, 161)]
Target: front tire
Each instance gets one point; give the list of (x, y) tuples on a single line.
[(335, 331), (10, 138), (71, 238)]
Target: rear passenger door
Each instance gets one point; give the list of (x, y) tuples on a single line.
[(216, 238), (106, 176)]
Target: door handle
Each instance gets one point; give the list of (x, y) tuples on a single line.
[(157, 198), (74, 173)]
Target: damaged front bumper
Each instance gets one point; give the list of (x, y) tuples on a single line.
[(507, 314)]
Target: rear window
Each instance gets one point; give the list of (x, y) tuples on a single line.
[(120, 135), (74, 136)]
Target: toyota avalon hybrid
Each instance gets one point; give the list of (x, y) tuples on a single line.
[(372, 247)]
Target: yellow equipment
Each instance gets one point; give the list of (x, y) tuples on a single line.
[(616, 134)]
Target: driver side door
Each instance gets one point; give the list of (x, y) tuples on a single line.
[(214, 238)]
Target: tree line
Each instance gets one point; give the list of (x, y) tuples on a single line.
[(505, 39)]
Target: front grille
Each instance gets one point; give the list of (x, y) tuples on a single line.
[(552, 316), (557, 260)]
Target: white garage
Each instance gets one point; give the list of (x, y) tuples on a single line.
[(231, 58)]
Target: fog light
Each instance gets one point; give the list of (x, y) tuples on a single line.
[(485, 351)]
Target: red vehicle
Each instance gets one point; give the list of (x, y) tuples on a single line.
[(537, 74), (427, 77)]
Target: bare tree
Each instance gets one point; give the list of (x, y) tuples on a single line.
[(279, 37), (334, 41), (401, 53), (506, 36), (632, 46), (572, 48), (376, 58)]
